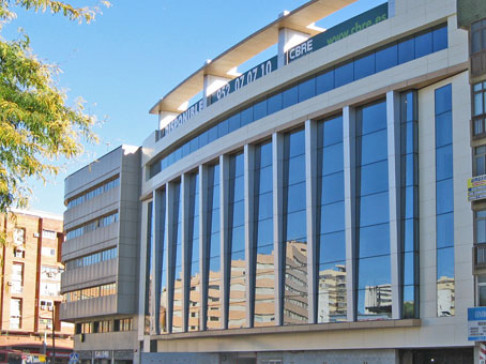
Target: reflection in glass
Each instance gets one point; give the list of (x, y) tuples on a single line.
[(373, 235), (175, 263), (236, 242), (409, 213), (193, 288), (445, 201), (213, 248), (262, 240), (294, 226), (160, 268), (331, 245)]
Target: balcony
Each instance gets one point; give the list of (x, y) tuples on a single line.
[(479, 256), (478, 64)]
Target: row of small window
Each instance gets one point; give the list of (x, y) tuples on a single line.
[(93, 193), (91, 292), (19, 235), (389, 56), (92, 225), (125, 324), (91, 259)]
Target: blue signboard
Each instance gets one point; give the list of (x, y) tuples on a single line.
[(245, 79), (339, 32), (476, 318)]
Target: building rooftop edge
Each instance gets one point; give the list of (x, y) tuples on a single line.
[(38, 213), (299, 19)]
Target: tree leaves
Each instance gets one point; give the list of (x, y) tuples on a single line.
[(37, 127)]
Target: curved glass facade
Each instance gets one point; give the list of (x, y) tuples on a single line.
[(391, 55), (264, 247)]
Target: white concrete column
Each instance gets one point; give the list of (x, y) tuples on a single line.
[(250, 256), (349, 146), (391, 8), (311, 210), (288, 38), (394, 189), (223, 233), (279, 258)]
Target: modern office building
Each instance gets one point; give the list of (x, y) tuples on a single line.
[(100, 281), (326, 205), (30, 285)]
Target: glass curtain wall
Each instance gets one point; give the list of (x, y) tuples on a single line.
[(331, 242), (444, 202), (236, 242), (160, 255), (374, 298), (175, 263), (409, 203), (213, 248), (264, 273), (193, 258), (294, 260)]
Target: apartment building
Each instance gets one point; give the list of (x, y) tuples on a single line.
[(31, 281)]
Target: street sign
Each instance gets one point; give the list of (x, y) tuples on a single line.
[(476, 317), (73, 358)]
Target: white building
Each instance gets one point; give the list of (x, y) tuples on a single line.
[(348, 152)]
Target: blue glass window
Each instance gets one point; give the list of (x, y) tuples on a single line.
[(330, 239), (294, 221), (373, 226), (344, 74), (212, 245), (247, 116), (274, 103), (307, 89), (406, 50), (262, 242), (260, 110), (444, 202), (423, 44), (439, 39), (234, 122), (325, 82), (386, 58), (364, 66), (290, 97)]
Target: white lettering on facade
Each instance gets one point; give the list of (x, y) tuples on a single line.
[(182, 118), (301, 49)]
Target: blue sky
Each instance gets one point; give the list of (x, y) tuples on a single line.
[(133, 54)]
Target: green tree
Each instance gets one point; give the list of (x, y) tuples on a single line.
[(37, 126)]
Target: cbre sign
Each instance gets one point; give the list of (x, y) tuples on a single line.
[(338, 32)]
